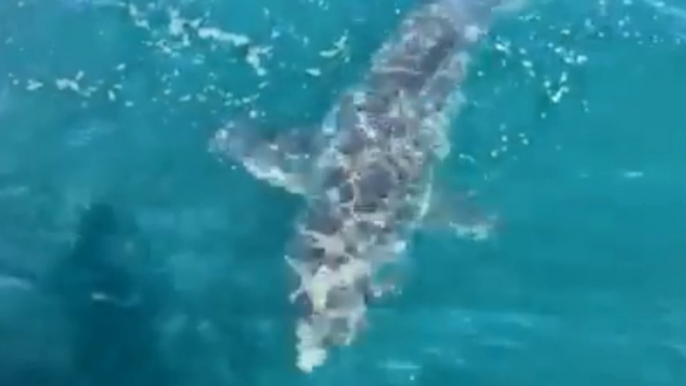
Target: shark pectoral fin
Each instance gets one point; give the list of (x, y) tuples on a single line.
[(460, 216), (281, 158)]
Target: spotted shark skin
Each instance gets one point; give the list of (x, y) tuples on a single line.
[(367, 174)]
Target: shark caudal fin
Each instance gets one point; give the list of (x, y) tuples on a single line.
[(280, 158)]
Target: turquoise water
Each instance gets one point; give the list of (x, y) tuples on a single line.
[(580, 283)]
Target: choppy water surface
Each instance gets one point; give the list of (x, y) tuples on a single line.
[(572, 136)]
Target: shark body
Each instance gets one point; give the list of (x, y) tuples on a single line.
[(367, 174)]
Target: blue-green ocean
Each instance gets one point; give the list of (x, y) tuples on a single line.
[(130, 255)]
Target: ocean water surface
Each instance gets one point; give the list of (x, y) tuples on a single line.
[(130, 255)]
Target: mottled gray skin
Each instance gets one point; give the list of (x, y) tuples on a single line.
[(387, 131), (367, 187), (381, 148), (374, 177)]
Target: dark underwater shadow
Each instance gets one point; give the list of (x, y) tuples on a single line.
[(113, 296), (91, 318), (107, 313)]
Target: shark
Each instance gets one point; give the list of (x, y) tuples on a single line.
[(367, 172)]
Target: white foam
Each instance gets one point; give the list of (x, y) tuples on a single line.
[(340, 46), (478, 232), (138, 17), (33, 85), (67, 84), (314, 72), (254, 58), (223, 36)]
